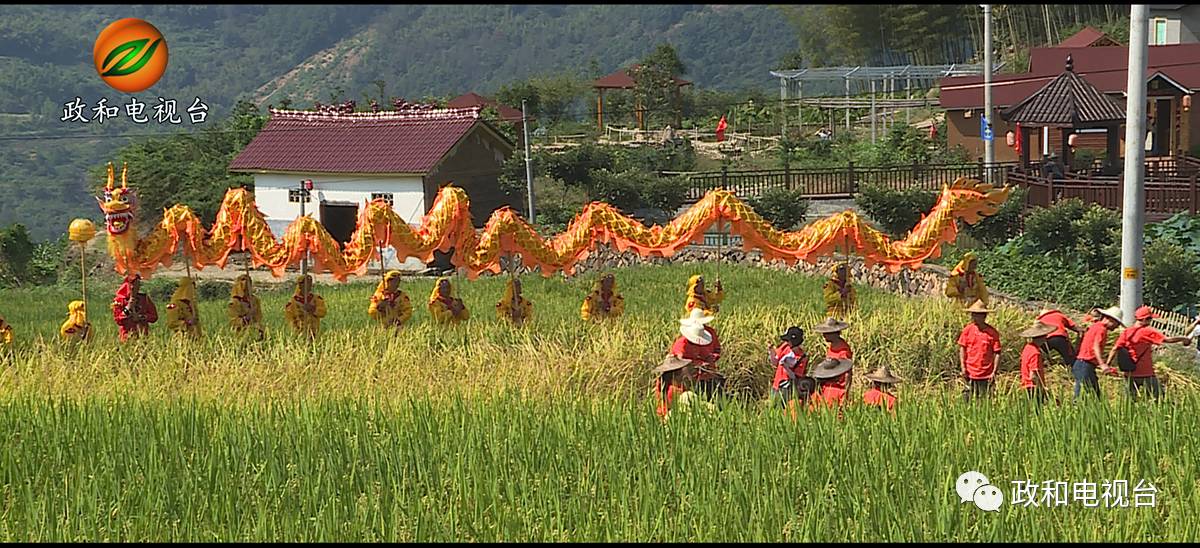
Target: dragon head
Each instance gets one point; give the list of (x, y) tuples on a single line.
[(118, 203)]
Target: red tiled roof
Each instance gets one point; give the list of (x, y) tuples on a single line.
[(1103, 67), (1087, 37), (472, 99), (361, 142), (622, 80)]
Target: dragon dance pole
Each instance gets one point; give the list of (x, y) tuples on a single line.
[(82, 231)]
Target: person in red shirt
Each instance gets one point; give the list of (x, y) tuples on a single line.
[(698, 344), (1091, 350), (831, 329), (673, 376), (880, 394), (133, 310), (791, 363), (1058, 340), (979, 352), (1033, 369), (828, 374), (1141, 340)]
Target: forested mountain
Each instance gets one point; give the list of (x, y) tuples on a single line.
[(280, 54)]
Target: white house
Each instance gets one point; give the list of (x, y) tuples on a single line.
[(403, 156)]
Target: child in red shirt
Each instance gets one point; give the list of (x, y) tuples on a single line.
[(880, 394), (673, 373), (791, 363), (1033, 362), (979, 352)]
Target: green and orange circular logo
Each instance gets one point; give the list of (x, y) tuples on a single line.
[(130, 55)]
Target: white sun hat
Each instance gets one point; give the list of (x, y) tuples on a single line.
[(692, 327)]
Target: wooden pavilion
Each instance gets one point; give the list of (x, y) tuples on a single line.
[(1069, 103), (622, 79)]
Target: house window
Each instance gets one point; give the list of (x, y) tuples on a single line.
[(1159, 38), (294, 195), (385, 196)]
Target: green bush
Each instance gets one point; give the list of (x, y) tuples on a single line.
[(1011, 269), (895, 211), (159, 289), (1097, 238), (212, 290), (784, 209), (1051, 229), (1172, 279)]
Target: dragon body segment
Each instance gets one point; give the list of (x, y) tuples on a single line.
[(240, 226)]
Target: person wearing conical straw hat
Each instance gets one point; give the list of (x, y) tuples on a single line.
[(244, 310), (77, 328), (182, 315), (604, 301), (305, 309), (1033, 362), (978, 352), (965, 284), (830, 375), (791, 365), (1058, 340), (389, 304), (698, 296), (698, 343), (831, 329), (880, 393), (839, 292), (673, 377), (1091, 350), (444, 306), (1140, 340)]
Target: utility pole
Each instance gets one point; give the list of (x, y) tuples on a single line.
[(989, 149), (305, 188), (528, 161), (1133, 205)]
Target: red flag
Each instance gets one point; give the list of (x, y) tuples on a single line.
[(1019, 144), (721, 129)]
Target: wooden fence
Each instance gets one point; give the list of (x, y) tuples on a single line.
[(840, 182), (1165, 195)]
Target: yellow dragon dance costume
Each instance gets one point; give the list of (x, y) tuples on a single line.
[(301, 319), (445, 308), (840, 295), (244, 310), (700, 297), (389, 305), (76, 328), (514, 307), (965, 283), (183, 316), (6, 335), (604, 301)]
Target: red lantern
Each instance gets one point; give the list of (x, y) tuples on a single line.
[(1011, 138), (1187, 103), (308, 184), (1071, 140)]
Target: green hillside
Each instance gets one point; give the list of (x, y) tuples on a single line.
[(314, 53)]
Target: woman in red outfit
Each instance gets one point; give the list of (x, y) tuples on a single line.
[(1033, 362), (698, 344), (880, 394), (791, 363), (839, 349), (674, 374), (829, 374), (133, 310)]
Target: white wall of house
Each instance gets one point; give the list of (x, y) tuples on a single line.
[(271, 196)]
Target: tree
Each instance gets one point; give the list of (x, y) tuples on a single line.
[(654, 81), (17, 250)]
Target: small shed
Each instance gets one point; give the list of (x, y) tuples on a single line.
[(1069, 103), (622, 79)]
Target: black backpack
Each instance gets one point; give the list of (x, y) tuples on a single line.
[(1125, 361)]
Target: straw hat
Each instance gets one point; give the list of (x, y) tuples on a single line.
[(883, 375), (831, 368), (831, 325), (671, 363), (1038, 329), (1113, 312), (692, 327), (978, 308)]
